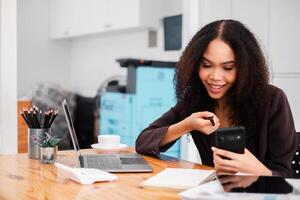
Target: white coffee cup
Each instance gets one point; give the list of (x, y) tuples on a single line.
[(109, 140)]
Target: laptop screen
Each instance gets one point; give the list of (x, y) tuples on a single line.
[(71, 129)]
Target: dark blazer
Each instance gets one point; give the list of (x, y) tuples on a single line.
[(274, 144)]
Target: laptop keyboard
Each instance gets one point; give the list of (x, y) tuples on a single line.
[(132, 161), (102, 162)]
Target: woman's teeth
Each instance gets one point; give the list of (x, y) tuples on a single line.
[(216, 86)]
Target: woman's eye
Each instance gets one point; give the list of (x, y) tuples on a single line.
[(228, 68), (205, 65)]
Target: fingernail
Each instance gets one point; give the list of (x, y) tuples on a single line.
[(213, 148)]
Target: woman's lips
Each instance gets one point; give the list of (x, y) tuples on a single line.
[(215, 88)]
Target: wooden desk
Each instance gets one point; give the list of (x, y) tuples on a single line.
[(23, 178)]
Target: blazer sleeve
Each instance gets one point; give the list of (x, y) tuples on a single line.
[(281, 136), (149, 139)]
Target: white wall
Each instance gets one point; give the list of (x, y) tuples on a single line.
[(93, 57), (284, 51), (39, 59), (8, 76)]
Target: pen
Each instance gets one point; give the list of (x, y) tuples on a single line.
[(211, 120)]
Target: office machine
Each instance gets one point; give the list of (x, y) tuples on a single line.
[(148, 93)]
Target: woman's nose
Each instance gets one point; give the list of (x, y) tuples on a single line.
[(215, 74)]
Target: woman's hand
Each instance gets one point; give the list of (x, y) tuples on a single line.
[(245, 163), (200, 121)]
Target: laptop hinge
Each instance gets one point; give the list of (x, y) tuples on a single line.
[(81, 161)]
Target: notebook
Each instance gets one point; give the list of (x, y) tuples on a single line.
[(178, 178), (108, 162)]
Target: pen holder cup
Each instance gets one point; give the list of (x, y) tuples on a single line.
[(35, 136)]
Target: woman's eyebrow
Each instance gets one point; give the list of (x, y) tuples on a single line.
[(229, 62), (226, 62), (205, 59)]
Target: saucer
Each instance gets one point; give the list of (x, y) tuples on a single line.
[(98, 148)]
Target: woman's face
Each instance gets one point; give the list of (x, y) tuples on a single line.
[(218, 69)]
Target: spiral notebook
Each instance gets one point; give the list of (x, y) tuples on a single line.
[(179, 179)]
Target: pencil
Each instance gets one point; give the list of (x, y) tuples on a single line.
[(30, 115), (25, 119), (53, 117), (49, 118), (46, 119), (25, 111), (35, 119)]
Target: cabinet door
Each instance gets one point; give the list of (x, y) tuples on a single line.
[(70, 18), (97, 15), (61, 14), (123, 14), (88, 16)]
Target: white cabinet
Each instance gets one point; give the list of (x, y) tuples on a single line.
[(70, 18), (123, 14), (284, 36), (60, 17)]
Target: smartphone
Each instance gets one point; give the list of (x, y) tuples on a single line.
[(254, 184), (231, 139)]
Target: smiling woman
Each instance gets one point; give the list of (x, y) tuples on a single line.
[(217, 70), (223, 77)]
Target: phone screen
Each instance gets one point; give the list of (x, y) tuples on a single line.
[(255, 184)]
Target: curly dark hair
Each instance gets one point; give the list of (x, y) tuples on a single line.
[(248, 94)]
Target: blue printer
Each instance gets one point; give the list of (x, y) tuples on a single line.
[(149, 93)]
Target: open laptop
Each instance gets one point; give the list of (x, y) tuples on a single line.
[(109, 162)]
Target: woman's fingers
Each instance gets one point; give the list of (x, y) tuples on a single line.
[(205, 122), (225, 162), (227, 154), (204, 114), (209, 116), (225, 165), (246, 163), (212, 129)]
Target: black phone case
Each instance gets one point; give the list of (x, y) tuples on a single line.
[(230, 139)]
